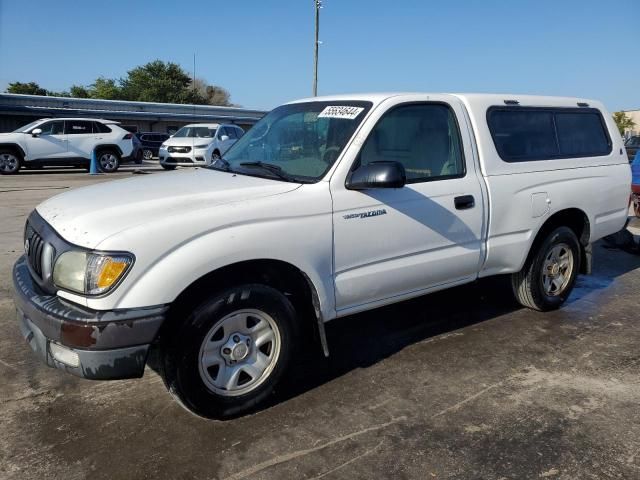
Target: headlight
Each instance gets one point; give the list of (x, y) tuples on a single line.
[(90, 273), (202, 146), (164, 145)]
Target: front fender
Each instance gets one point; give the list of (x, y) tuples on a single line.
[(167, 262)]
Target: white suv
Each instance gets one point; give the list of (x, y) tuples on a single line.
[(198, 144), (64, 142)]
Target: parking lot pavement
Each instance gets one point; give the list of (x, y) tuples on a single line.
[(461, 384)]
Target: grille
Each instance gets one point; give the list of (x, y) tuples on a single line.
[(179, 149), (34, 246)]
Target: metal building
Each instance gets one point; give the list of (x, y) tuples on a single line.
[(17, 110)]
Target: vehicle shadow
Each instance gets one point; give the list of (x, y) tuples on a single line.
[(365, 339)]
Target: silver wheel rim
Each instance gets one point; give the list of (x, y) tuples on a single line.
[(148, 154), (108, 162), (8, 162), (557, 269), (239, 352), (215, 156)]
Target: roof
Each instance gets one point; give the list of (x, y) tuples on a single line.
[(86, 119), (473, 98), (122, 109)]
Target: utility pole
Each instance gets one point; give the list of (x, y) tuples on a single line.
[(318, 6)]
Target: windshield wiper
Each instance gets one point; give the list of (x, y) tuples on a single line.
[(224, 165), (271, 168)]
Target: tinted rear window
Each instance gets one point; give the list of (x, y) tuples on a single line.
[(523, 134), (101, 127)]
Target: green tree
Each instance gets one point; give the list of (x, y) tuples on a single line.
[(106, 88), (212, 94), (157, 81), (31, 88), (623, 122), (78, 91)]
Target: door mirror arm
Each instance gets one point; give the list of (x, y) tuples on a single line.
[(383, 174)]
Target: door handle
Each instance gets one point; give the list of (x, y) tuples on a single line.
[(464, 202)]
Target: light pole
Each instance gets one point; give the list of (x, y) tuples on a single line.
[(318, 6)]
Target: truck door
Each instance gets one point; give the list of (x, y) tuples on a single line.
[(398, 242)]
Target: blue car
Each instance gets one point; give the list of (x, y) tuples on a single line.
[(635, 183)]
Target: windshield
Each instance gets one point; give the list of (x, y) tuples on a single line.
[(199, 132), (302, 140), (26, 127)]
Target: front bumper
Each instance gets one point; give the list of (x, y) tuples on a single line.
[(195, 157), (108, 344)]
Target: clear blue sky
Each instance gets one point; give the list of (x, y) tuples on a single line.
[(261, 51)]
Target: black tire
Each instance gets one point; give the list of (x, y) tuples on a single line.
[(147, 154), (528, 285), (180, 353), (139, 157), (215, 155), (10, 162), (108, 160), (168, 167)]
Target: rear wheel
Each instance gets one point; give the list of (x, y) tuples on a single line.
[(10, 162), (108, 161), (139, 156), (147, 154), (230, 354), (548, 277)]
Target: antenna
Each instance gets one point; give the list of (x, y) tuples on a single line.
[(318, 6)]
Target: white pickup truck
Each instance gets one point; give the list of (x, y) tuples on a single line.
[(327, 207)]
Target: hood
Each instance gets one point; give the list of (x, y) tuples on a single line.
[(182, 141), (88, 215)]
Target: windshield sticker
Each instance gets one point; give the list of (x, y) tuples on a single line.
[(340, 111)]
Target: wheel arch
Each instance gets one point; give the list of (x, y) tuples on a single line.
[(575, 219), (15, 147), (295, 284), (107, 146)]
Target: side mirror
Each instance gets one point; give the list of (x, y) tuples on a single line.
[(386, 174), (224, 138), (36, 132)]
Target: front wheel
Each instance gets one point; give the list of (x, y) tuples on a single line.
[(230, 354), (108, 160), (549, 275), (9, 162)]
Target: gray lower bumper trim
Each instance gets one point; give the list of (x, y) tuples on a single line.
[(112, 364)]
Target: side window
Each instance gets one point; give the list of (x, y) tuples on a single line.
[(523, 134), (78, 127), (581, 134), (230, 132), (239, 132), (55, 127), (101, 128), (423, 137)]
